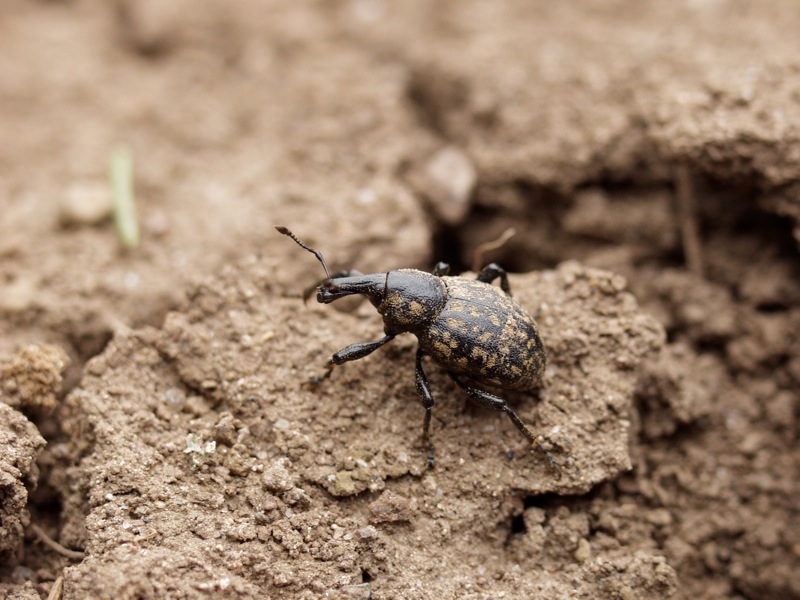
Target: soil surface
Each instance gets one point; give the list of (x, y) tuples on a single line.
[(159, 434)]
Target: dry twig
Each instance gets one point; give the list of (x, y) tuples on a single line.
[(481, 250), (54, 545), (687, 215), (55, 591)]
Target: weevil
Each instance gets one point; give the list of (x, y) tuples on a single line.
[(472, 329)]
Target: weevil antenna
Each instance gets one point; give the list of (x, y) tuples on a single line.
[(316, 253)]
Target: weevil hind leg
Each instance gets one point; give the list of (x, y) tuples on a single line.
[(498, 404)]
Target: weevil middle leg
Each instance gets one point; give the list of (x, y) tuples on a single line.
[(426, 399)]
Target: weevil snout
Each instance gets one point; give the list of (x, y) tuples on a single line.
[(372, 286)]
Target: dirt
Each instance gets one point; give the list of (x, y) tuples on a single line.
[(160, 438)]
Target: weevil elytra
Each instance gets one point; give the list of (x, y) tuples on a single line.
[(473, 330)]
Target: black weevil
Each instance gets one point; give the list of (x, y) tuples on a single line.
[(471, 329)]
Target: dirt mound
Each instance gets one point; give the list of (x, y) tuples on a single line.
[(206, 433)]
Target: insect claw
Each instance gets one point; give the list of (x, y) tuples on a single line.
[(537, 441), (317, 379)]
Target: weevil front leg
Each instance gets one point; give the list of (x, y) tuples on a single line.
[(426, 399), (351, 352), (497, 403)]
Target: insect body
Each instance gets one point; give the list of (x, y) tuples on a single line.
[(476, 332)]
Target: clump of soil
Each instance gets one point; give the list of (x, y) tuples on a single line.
[(21, 443), (32, 379), (206, 432)]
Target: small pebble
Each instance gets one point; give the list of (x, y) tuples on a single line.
[(447, 180), (87, 203), (390, 507)]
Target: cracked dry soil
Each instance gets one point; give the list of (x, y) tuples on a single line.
[(157, 435)]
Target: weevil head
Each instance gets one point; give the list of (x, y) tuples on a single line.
[(409, 300)]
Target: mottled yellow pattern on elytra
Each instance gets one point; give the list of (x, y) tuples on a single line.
[(443, 349), (479, 354), (456, 324), (484, 334)]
